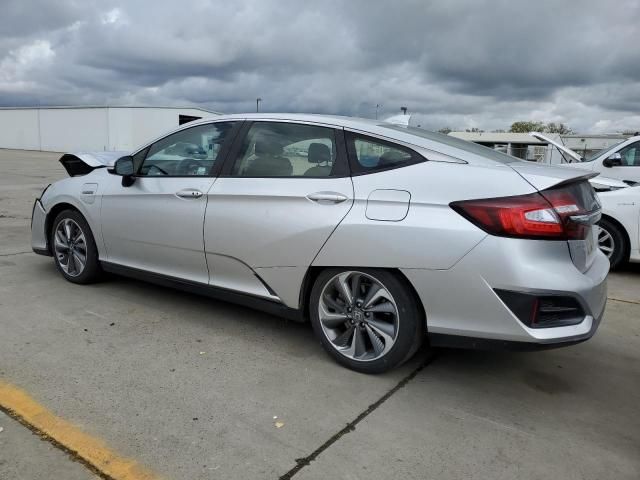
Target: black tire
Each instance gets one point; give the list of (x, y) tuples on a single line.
[(92, 271), (411, 324), (620, 253)]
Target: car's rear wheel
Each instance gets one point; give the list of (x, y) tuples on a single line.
[(367, 319), (74, 248), (612, 242)]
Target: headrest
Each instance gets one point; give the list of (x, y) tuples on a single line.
[(318, 153), (265, 146), (391, 157)]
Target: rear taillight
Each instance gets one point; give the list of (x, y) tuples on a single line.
[(544, 215)]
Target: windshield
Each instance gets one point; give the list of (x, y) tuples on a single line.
[(457, 143), (598, 153)]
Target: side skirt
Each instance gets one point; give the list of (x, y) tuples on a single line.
[(232, 296)]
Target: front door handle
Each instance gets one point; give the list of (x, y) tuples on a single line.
[(189, 193), (327, 197)]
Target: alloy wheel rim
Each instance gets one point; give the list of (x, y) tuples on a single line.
[(605, 242), (71, 247), (358, 316)]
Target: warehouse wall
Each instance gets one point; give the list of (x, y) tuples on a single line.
[(139, 126), (87, 129), (19, 129), (82, 129)]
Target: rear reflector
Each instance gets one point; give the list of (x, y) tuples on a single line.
[(541, 215), (543, 311)]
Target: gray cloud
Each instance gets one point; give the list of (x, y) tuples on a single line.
[(456, 63)]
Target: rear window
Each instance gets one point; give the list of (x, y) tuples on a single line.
[(456, 143), (368, 154)]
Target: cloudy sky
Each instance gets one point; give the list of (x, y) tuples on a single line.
[(455, 63)]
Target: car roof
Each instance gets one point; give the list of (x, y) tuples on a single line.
[(336, 120)]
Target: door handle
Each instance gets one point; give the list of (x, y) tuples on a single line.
[(327, 197), (189, 193)]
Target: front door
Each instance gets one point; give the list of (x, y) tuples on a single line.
[(629, 169), (281, 194), (156, 223)]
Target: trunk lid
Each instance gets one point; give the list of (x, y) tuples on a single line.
[(567, 154), (543, 176), (81, 163), (551, 180)]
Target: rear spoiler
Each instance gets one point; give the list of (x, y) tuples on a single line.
[(77, 164)]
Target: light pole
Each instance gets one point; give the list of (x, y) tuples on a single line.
[(258, 100), (377, 106)]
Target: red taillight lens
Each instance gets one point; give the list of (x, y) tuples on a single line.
[(544, 215)]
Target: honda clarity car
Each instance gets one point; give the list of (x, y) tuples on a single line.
[(383, 236)]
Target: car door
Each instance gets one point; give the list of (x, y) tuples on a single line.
[(629, 168), (156, 223), (283, 190)]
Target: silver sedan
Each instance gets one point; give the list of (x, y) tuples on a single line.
[(383, 236)]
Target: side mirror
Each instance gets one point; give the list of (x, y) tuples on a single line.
[(124, 168), (613, 160)]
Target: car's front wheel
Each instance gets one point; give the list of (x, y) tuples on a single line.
[(74, 249), (367, 319)]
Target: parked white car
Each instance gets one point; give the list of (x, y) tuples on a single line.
[(621, 161), (619, 235)]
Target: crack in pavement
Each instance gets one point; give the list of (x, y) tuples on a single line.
[(13, 254), (351, 426), (623, 301)]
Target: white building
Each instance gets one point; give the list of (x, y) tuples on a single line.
[(65, 129), (523, 145)]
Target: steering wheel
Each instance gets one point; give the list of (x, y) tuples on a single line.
[(164, 172), (185, 166)]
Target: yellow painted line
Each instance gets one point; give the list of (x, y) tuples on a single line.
[(91, 451)]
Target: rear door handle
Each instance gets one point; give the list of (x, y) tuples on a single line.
[(327, 197), (189, 193)]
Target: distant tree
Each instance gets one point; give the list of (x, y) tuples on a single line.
[(631, 133), (526, 127), (499, 130), (445, 130), (474, 130), (559, 128), (531, 126)]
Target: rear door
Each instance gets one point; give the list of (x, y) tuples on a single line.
[(282, 192)]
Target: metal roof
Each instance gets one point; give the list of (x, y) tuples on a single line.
[(81, 107), (497, 137)]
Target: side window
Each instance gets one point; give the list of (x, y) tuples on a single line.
[(273, 149), (370, 155), (189, 152), (631, 155)]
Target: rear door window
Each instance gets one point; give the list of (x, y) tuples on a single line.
[(282, 149), (368, 154)]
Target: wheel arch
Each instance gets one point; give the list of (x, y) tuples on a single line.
[(625, 234), (53, 213), (314, 271)]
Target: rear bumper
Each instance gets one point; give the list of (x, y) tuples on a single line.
[(475, 343), (39, 242), (462, 308)]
